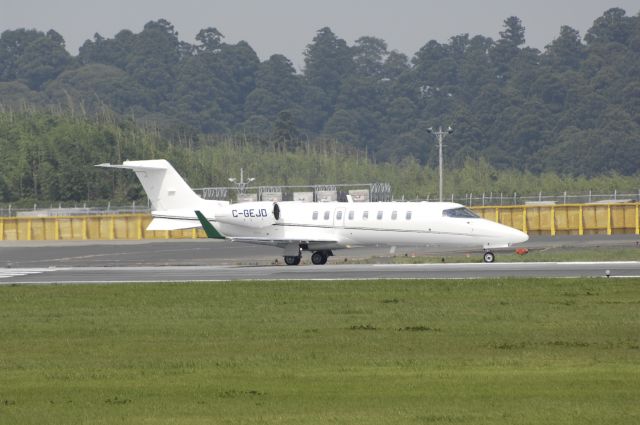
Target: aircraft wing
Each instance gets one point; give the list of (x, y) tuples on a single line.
[(282, 242)]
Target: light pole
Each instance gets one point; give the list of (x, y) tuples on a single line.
[(241, 185), (440, 135)]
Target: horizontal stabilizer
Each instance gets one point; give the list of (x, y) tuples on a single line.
[(172, 224), (136, 165)]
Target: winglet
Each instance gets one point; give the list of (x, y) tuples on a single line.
[(211, 231)]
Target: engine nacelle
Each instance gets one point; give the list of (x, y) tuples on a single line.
[(248, 214)]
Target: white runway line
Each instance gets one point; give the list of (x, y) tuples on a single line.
[(5, 273)]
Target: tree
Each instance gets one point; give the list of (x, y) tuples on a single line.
[(277, 88), (284, 131), (327, 61), (92, 88), (508, 46), (16, 95), (210, 40), (12, 46), (612, 27), (369, 55), (344, 127), (236, 67), (395, 65), (475, 69), (154, 57), (197, 96), (42, 60), (513, 34), (566, 51), (115, 51)]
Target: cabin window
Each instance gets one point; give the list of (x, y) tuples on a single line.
[(394, 215), (351, 214), (315, 215), (339, 215), (327, 214), (379, 215), (461, 212), (365, 215), (408, 216)]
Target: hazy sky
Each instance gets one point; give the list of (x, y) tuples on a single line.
[(287, 26)]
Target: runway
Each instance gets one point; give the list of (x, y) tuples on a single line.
[(310, 272), (206, 260), (210, 252)]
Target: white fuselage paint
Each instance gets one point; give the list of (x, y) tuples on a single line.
[(361, 224), (316, 226)]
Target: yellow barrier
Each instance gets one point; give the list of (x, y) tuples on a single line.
[(99, 227), (570, 219)]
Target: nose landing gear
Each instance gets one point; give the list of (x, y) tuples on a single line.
[(489, 257)]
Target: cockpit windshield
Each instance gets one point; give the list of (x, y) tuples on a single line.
[(461, 212)]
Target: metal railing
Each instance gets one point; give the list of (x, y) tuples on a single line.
[(86, 208), (378, 192), (505, 199)]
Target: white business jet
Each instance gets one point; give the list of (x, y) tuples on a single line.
[(317, 227)]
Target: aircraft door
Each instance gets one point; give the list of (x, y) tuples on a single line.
[(338, 217)]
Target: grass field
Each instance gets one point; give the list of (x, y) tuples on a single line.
[(501, 351)]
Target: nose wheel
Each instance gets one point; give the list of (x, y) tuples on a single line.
[(489, 257)]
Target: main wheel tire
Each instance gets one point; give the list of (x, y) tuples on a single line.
[(489, 257), (291, 260), (319, 258)]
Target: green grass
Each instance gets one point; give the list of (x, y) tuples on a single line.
[(501, 351)]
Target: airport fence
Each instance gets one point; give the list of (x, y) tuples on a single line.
[(502, 199), (374, 192), (566, 219)]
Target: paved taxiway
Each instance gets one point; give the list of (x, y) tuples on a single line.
[(199, 260), (203, 252), (331, 271)]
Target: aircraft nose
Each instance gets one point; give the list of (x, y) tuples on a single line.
[(516, 236)]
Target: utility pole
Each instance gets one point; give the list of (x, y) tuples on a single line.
[(440, 135), (241, 185)]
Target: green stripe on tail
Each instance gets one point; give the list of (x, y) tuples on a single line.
[(211, 231)]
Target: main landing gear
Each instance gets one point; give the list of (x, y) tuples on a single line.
[(320, 257), (291, 260), (317, 258), (489, 257)]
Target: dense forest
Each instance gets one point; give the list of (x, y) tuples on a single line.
[(50, 157), (572, 110)]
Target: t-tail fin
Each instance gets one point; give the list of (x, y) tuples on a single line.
[(164, 187)]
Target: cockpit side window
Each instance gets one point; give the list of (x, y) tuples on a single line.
[(461, 212)]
